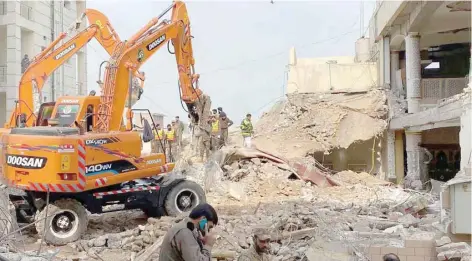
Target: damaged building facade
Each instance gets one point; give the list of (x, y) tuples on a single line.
[(397, 108), (330, 101), (423, 51)]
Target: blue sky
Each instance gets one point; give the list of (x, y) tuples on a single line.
[(241, 48)]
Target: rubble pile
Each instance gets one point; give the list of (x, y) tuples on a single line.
[(132, 240), (309, 122)]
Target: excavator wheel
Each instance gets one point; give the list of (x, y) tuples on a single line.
[(183, 198), (66, 221)]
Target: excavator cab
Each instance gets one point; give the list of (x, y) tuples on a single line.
[(68, 109)]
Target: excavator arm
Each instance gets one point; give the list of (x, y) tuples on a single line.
[(50, 59), (138, 50)]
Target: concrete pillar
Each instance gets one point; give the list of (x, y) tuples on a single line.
[(394, 67), (399, 157), (391, 154), (13, 63), (414, 160), (413, 72), (386, 60), (292, 78), (465, 134), (82, 73)]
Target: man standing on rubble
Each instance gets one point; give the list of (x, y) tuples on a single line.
[(158, 144), (247, 131), (225, 123), (215, 133), (259, 248), (191, 239), (205, 139), (170, 141), (179, 130)]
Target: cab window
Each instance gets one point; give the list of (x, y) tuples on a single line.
[(66, 114)]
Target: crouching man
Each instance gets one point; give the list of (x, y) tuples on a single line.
[(259, 249), (191, 239)]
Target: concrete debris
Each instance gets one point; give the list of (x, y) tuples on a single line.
[(442, 241), (288, 128)]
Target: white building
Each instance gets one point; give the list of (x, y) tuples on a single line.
[(27, 27), (423, 52)]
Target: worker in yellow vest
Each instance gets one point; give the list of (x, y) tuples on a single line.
[(170, 141), (215, 133), (158, 144)]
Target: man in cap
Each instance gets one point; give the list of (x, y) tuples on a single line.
[(220, 110), (191, 239), (259, 248), (225, 123)]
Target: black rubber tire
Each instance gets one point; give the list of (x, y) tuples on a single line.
[(54, 208), (171, 208)]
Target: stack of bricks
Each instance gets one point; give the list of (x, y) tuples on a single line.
[(413, 250)]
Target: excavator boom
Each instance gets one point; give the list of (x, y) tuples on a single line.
[(146, 43), (49, 60)]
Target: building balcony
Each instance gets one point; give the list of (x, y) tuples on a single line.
[(384, 14), (435, 90)]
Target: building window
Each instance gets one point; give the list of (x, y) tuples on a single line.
[(26, 11), (3, 7)]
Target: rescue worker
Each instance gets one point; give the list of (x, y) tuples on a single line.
[(159, 140), (92, 93), (25, 62), (215, 133), (22, 120), (191, 239), (179, 130), (259, 247), (170, 141), (247, 131), (204, 139), (214, 112), (225, 123)]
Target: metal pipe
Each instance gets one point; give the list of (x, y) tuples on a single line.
[(130, 89), (62, 67), (137, 35), (53, 24), (99, 81), (150, 24)]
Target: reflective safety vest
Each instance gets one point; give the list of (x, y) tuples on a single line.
[(159, 135), (170, 135), (215, 126), (246, 128)]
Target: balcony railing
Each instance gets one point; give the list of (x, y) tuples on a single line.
[(3, 73), (26, 11), (3, 7), (433, 90)]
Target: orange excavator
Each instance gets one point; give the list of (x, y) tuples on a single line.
[(50, 59), (66, 171)]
